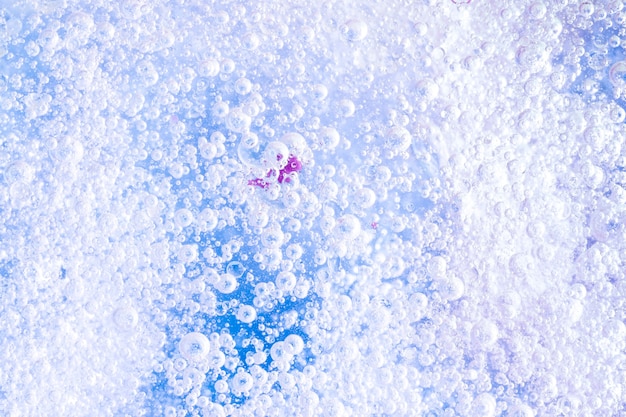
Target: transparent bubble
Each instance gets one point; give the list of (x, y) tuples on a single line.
[(216, 359), (348, 227), (617, 114), (243, 86), (221, 386), (537, 10), (294, 251), (417, 306), (207, 219), (346, 108), (19, 171), (188, 253), (220, 110), (319, 92), (328, 138), (617, 74), (226, 284), (397, 140), (451, 288), (126, 318), (485, 333), (209, 68), (437, 267), (294, 344), (242, 382), (147, 73), (427, 89), (520, 410), (238, 121), (227, 66), (280, 353), (586, 8), (272, 237), (530, 120), (250, 41), (484, 405), (194, 347), (275, 155), (286, 281), (246, 313), (354, 30), (183, 217), (365, 198), (236, 269), (533, 56)]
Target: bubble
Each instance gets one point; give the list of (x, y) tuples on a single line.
[(347, 227), (216, 359), (530, 120), (250, 41), (207, 219), (194, 347), (285, 281), (243, 86), (235, 269), (280, 353), (485, 333), (242, 382), (220, 109), (365, 198), (147, 73), (246, 313), (617, 114), (188, 253), (209, 68), (586, 8), (520, 410), (484, 405), (293, 344), (537, 10), (272, 237), (354, 30), (417, 306), (427, 89), (346, 108), (437, 267), (319, 92), (617, 74), (126, 318), (19, 171), (275, 155), (451, 288), (577, 291), (227, 66), (238, 121), (328, 138), (226, 284), (183, 217), (397, 140), (533, 56)]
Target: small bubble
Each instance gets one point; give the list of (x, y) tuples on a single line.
[(126, 318), (238, 121), (354, 30), (586, 8), (226, 284), (246, 314), (286, 281), (183, 217), (209, 68), (328, 138), (346, 108), (194, 347)]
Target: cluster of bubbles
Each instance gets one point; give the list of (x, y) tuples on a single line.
[(334, 209)]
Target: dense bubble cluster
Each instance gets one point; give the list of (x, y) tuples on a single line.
[(285, 208)]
